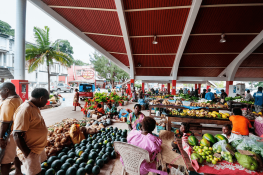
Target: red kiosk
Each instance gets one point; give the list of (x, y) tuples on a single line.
[(21, 88)]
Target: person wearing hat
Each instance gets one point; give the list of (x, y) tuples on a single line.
[(76, 100)]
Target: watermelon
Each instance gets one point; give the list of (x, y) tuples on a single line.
[(205, 142), (50, 171), (96, 170), (65, 166), (220, 137), (44, 165), (192, 140), (51, 159), (56, 165), (70, 161), (93, 155), (43, 170), (64, 158), (88, 168), (113, 155), (209, 137), (81, 171), (100, 163), (71, 171), (79, 161), (85, 156), (91, 162), (60, 172), (61, 154), (82, 165)]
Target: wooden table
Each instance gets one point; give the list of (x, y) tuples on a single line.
[(196, 121)]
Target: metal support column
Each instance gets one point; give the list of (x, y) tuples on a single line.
[(19, 65)]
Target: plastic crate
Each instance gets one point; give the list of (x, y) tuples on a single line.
[(186, 103), (159, 128)]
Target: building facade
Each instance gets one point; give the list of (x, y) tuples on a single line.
[(39, 77)]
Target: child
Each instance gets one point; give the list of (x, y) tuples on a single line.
[(76, 100), (184, 128), (100, 109)]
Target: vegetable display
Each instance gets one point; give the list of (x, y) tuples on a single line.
[(89, 156)]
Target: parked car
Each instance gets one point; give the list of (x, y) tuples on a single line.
[(61, 87)]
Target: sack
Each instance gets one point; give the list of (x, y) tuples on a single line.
[(224, 149), (75, 134)]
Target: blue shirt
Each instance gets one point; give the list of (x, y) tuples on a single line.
[(209, 96), (258, 98)]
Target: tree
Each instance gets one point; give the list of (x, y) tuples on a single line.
[(259, 84), (107, 69), (219, 84), (64, 46), (44, 52), (80, 63), (5, 28)]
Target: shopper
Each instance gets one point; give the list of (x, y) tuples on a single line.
[(181, 91), (135, 118), (76, 100), (258, 100), (10, 102), (192, 93), (240, 123), (30, 132), (248, 96), (223, 96), (203, 94), (209, 95), (196, 92)]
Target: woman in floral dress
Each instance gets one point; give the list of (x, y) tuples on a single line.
[(135, 118)]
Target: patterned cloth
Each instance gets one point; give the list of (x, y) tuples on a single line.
[(179, 134), (134, 121)]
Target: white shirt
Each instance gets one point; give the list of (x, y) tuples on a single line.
[(232, 137), (248, 97)]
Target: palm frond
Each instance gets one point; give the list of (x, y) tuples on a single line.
[(47, 43), (63, 58), (33, 52), (39, 37), (35, 62)]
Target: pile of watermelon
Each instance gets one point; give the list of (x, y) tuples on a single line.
[(87, 157)]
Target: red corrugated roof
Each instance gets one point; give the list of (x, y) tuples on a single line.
[(122, 58), (139, 4), (249, 73), (165, 45), (157, 22), (109, 43), (253, 61), (153, 72), (211, 2), (199, 72), (93, 21), (154, 60)]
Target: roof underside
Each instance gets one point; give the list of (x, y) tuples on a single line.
[(203, 56)]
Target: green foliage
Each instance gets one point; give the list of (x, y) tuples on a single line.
[(259, 84), (219, 84), (80, 63), (64, 46), (5, 28), (103, 66), (138, 85), (44, 52)]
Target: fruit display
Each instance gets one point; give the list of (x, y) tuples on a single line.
[(223, 148), (87, 157), (166, 102), (198, 113), (206, 153), (220, 137), (208, 104), (192, 140)]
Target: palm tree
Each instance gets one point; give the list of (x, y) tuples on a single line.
[(44, 52)]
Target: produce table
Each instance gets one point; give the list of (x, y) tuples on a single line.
[(223, 167), (196, 120)]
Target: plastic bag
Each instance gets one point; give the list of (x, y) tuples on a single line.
[(76, 134), (246, 144), (236, 141), (123, 113), (222, 148)]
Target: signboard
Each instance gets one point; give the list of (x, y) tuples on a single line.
[(88, 74)]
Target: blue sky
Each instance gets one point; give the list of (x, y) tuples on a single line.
[(35, 17)]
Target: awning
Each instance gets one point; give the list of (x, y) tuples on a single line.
[(5, 73)]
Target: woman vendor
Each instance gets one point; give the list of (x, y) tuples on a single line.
[(135, 118), (147, 141), (100, 110), (110, 110), (240, 123)]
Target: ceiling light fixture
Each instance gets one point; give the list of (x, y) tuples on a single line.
[(139, 65), (154, 40), (222, 38)]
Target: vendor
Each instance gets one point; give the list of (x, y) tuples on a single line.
[(147, 141), (100, 110), (184, 129), (111, 111), (240, 123), (258, 100), (135, 118), (227, 132), (223, 96), (248, 96), (209, 95), (142, 102)]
